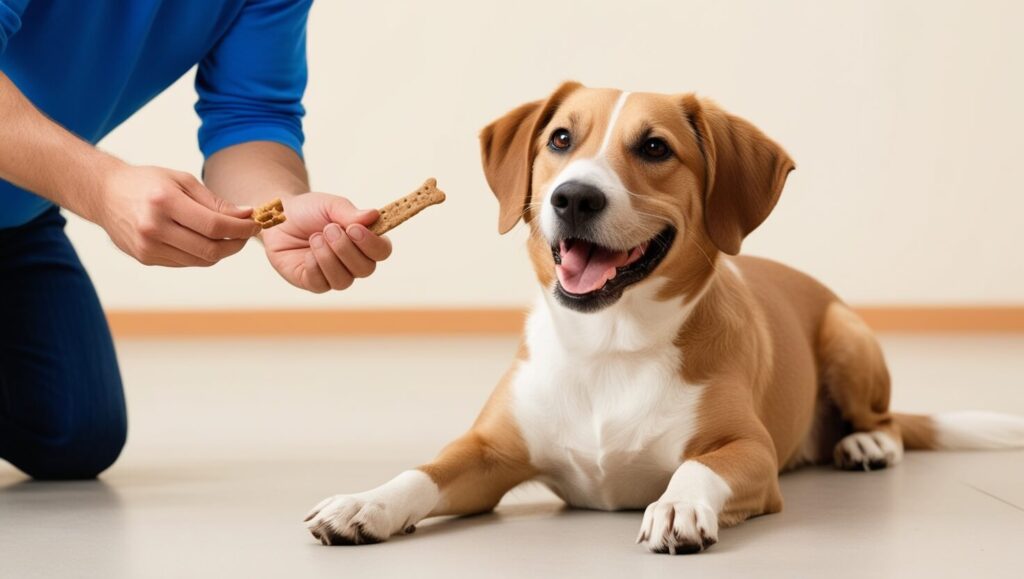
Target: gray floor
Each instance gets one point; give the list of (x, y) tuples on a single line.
[(226, 456)]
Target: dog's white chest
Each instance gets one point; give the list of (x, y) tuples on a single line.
[(607, 428)]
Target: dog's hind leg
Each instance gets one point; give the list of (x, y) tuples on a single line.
[(856, 378)]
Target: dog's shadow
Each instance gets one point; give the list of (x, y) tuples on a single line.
[(504, 513), (618, 528)]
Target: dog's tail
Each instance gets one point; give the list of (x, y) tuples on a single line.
[(963, 430)]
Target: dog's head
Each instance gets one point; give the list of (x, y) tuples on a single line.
[(618, 187)]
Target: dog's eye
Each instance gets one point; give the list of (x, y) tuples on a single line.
[(560, 140), (655, 149)]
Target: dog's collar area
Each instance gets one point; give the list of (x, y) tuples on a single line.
[(636, 264)]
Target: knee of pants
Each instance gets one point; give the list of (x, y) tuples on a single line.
[(78, 453)]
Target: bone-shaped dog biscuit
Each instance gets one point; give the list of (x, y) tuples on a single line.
[(397, 212), (269, 214)]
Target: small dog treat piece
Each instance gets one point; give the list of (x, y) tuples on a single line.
[(397, 212), (269, 214)]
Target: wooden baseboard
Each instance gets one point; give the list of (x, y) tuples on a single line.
[(944, 319), (480, 321), (368, 322)]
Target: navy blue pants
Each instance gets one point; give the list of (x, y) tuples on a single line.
[(62, 412)]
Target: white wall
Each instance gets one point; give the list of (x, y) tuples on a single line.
[(904, 118)]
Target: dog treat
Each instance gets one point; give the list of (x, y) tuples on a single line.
[(397, 212), (269, 214)]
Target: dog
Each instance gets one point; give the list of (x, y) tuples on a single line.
[(659, 370)]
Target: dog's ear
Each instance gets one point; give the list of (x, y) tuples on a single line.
[(745, 172), (508, 147)]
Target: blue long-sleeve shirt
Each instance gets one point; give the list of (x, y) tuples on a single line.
[(89, 65)]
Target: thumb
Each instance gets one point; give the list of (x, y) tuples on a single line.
[(342, 212), (365, 217), (206, 198), (228, 208)]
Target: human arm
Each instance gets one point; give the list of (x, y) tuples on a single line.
[(156, 215), (250, 100)]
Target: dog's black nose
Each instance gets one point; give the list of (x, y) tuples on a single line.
[(577, 203)]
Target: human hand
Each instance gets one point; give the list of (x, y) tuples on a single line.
[(164, 217), (325, 243)]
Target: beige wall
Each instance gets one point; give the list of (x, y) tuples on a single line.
[(904, 118)]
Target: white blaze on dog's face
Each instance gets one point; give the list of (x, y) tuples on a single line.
[(614, 178), (620, 187)]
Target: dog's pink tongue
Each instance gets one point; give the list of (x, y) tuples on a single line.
[(586, 267)]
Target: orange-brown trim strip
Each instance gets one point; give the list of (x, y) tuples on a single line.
[(477, 321), (271, 322), (944, 319)]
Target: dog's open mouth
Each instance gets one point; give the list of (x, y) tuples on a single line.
[(587, 271)]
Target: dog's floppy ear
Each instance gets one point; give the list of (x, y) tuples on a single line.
[(744, 173), (508, 148)]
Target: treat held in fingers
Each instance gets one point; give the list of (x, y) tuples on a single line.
[(269, 214)]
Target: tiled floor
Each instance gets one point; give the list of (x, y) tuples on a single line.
[(226, 456)]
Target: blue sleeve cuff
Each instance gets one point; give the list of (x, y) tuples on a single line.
[(254, 132), (250, 85)]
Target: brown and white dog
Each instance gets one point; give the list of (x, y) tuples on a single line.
[(657, 370)]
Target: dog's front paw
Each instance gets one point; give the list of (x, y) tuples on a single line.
[(354, 520), (373, 516), (678, 527)]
